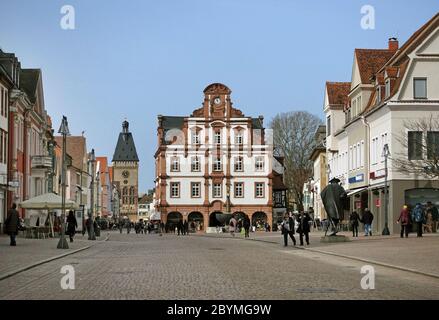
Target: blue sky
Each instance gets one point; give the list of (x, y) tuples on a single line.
[(140, 58)]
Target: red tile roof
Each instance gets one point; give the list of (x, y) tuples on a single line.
[(338, 92), (370, 61), (76, 148), (396, 67)]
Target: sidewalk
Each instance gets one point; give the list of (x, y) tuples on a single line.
[(32, 251), (418, 254)]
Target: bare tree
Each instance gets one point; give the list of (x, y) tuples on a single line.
[(420, 144), (293, 138)]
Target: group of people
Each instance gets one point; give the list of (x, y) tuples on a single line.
[(238, 225), (366, 219), (425, 218), (300, 223)]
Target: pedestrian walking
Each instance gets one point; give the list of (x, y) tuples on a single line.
[(292, 225), (434, 215), (418, 216), (128, 226), (179, 227), (304, 227), (404, 220), (367, 220), (428, 227), (232, 226), (353, 219), (162, 226), (186, 227), (246, 224), (12, 224), (72, 224), (120, 225), (287, 229)]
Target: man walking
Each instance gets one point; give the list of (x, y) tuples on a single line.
[(418, 216), (246, 225), (292, 224), (186, 228), (354, 218), (304, 227), (12, 223), (367, 220)]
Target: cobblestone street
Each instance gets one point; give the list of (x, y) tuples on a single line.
[(138, 266)]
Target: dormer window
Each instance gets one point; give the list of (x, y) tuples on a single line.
[(378, 94)]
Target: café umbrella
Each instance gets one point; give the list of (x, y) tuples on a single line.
[(48, 201)]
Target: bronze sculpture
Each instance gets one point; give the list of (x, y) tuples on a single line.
[(333, 196)]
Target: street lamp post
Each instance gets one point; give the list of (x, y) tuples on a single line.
[(91, 235), (64, 131), (386, 154)]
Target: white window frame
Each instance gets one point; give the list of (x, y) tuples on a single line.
[(259, 164), (259, 190), (217, 164), (195, 164), (196, 137), (239, 138), (175, 164), (175, 186), (195, 189), (217, 190), (239, 186), (217, 137), (239, 164)]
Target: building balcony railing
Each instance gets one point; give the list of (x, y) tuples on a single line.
[(41, 162)]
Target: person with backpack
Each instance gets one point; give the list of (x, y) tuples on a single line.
[(404, 219), (367, 220), (418, 216), (353, 219)]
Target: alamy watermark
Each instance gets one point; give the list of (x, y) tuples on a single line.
[(368, 19), (368, 280), (68, 280), (67, 21)]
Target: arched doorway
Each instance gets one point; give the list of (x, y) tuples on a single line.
[(213, 221), (196, 221), (259, 219), (172, 220)]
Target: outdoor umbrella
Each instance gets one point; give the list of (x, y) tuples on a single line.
[(48, 201)]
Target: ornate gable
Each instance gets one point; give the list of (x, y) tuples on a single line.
[(217, 103)]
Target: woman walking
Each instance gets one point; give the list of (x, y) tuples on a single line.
[(72, 224), (404, 219)]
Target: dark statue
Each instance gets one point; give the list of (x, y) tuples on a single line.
[(333, 197)]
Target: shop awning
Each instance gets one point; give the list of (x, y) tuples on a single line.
[(352, 192)]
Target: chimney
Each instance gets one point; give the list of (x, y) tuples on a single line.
[(393, 44)]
